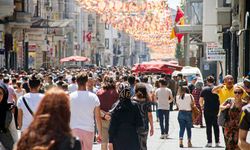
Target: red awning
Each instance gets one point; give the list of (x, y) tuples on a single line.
[(156, 67), (74, 58)]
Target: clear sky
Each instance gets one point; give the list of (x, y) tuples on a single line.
[(174, 3)]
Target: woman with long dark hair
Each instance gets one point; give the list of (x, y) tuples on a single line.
[(141, 97), (125, 120), (184, 102), (5, 119), (50, 128)]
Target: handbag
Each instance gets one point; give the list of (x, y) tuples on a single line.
[(223, 115), (195, 110)]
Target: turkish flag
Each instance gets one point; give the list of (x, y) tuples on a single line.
[(89, 36), (179, 19)]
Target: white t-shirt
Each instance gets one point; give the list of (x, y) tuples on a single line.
[(163, 95), (33, 100), (72, 87), (82, 105), (149, 88), (185, 103), (19, 94)]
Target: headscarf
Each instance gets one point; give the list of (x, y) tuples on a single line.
[(124, 98), (4, 106), (124, 91)]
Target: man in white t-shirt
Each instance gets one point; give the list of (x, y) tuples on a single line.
[(84, 106), (73, 86), (164, 98), (32, 100)]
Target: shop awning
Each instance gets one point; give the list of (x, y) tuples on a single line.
[(44, 23)]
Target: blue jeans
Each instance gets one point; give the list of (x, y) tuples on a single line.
[(164, 114), (185, 122)]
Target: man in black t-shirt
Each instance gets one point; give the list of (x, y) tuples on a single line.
[(244, 128), (210, 104)]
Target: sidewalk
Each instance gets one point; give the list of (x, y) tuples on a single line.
[(172, 143)]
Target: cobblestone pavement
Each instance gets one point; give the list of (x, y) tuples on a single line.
[(198, 137)]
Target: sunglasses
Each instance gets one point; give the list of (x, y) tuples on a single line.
[(237, 92)]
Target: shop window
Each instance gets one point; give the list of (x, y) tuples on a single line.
[(19, 5)]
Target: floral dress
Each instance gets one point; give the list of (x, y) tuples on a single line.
[(196, 95), (231, 129)]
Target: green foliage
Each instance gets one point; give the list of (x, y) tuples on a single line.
[(179, 51)]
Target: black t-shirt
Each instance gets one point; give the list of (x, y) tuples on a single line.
[(245, 119), (211, 101), (144, 107)]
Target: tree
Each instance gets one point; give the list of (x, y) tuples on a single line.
[(179, 51)]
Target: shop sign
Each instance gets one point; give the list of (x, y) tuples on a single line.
[(214, 52)]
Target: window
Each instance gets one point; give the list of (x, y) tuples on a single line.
[(107, 43), (19, 5)]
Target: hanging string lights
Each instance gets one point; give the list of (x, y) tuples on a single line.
[(148, 21)]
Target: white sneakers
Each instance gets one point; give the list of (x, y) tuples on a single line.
[(210, 145), (164, 136)]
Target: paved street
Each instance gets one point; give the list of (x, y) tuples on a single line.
[(198, 137)]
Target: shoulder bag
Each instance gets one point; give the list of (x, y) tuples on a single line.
[(195, 110), (223, 115), (27, 106)]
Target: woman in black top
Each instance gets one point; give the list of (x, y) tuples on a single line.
[(5, 119), (141, 97), (125, 120)]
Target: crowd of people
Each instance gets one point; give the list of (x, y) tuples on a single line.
[(72, 108)]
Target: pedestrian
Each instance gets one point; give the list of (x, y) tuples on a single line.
[(191, 86), (196, 94), (6, 118), (210, 104), (171, 84), (49, 83), (25, 84), (184, 102), (131, 81), (231, 129), (84, 106), (244, 127), (154, 99), (28, 103), (19, 91), (12, 96), (73, 85), (107, 96), (125, 120), (50, 128), (164, 98), (225, 90), (141, 97)]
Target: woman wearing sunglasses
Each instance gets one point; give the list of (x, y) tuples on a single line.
[(231, 129)]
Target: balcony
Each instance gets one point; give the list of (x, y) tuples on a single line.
[(6, 8)]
